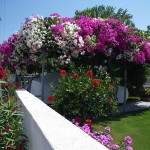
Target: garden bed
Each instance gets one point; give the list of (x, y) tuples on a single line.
[(136, 124)]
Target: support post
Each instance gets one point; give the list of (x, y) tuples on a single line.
[(125, 86), (43, 68)]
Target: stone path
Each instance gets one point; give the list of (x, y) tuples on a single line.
[(134, 105)]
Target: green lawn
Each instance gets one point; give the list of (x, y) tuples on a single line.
[(135, 124)]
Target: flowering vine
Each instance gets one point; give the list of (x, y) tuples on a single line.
[(66, 39)]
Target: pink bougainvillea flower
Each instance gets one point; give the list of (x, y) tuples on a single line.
[(2, 73), (58, 30)]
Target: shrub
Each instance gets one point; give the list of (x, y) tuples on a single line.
[(11, 130), (146, 93), (85, 93), (136, 76)]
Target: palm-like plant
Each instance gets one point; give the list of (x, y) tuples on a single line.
[(107, 12)]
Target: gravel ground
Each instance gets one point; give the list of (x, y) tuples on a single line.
[(134, 105)]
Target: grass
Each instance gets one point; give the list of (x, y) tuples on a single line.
[(135, 124), (137, 98)]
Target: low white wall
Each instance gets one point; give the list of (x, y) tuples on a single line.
[(48, 130)]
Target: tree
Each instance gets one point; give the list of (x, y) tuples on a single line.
[(147, 32), (107, 12)]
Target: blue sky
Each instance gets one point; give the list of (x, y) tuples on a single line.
[(14, 12)]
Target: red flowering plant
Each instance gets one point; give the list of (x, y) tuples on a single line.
[(85, 94), (11, 130)]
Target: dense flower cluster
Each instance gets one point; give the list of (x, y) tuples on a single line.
[(29, 41), (105, 137), (34, 31), (6, 50), (67, 38), (75, 39)]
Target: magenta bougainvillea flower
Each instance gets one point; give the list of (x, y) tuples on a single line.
[(72, 40), (2, 73)]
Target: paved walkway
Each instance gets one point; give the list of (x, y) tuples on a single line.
[(134, 105)]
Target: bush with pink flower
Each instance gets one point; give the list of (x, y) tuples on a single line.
[(105, 137)]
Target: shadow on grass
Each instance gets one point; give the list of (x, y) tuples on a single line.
[(118, 116)]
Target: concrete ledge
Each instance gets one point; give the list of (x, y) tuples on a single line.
[(48, 130)]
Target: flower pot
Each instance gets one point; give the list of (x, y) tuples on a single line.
[(36, 85), (120, 94)]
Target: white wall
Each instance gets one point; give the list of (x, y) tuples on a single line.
[(48, 130)]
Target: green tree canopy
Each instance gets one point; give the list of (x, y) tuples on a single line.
[(107, 12)]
